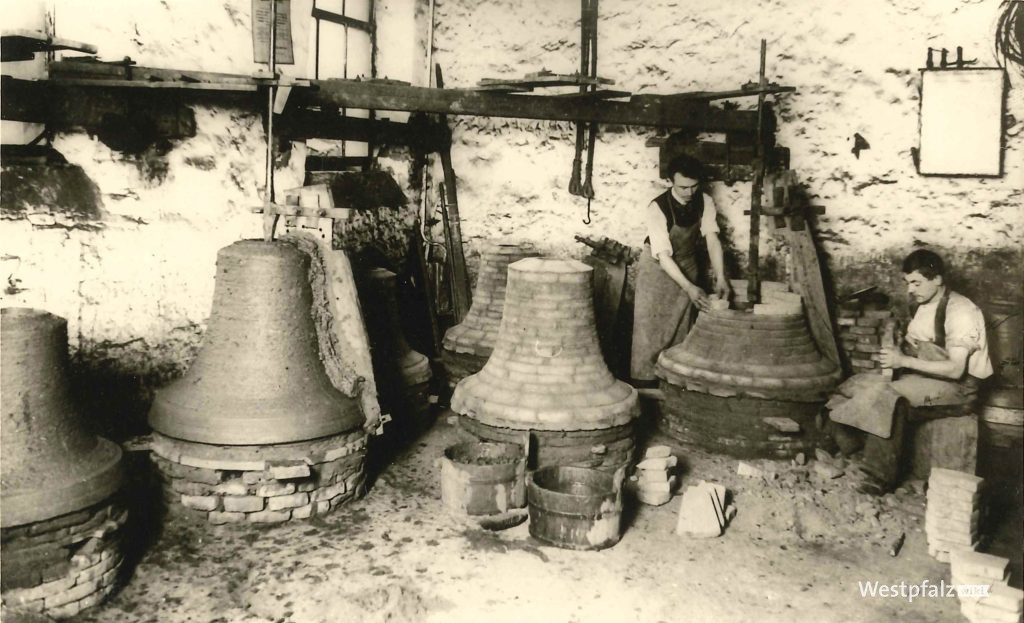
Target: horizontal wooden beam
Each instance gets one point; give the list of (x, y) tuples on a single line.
[(108, 112), (418, 132), (371, 95), (342, 20), (21, 45)]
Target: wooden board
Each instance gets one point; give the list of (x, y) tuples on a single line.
[(806, 281), (542, 79)]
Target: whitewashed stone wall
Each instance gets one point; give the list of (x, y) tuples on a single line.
[(135, 277), (135, 281), (855, 66)]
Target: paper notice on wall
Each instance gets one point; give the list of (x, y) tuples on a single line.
[(283, 54), (961, 121)]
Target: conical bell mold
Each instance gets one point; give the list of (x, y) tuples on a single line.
[(478, 332), (51, 464), (731, 353), (546, 371), (258, 378)]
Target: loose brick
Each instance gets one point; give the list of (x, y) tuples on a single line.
[(90, 601), (305, 486), (109, 577), (287, 470), (657, 452), (65, 611), (62, 521), (243, 503), (337, 453), (201, 502), (275, 488), (1005, 598), (940, 477), (662, 463), (269, 516), (303, 512), (863, 331), (197, 474), (220, 517), (47, 589), (868, 339), (979, 564), (97, 570), (73, 594), (878, 313), (281, 502), (340, 499), (221, 465), (867, 348), (232, 487), (329, 470), (328, 492), (869, 322), (187, 487), (354, 481), (252, 478)]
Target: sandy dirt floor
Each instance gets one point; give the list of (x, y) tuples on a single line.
[(796, 550)]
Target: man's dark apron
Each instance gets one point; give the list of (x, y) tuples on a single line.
[(662, 311), (867, 401)]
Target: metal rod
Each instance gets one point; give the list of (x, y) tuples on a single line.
[(268, 195), (371, 17), (316, 45), (753, 285), (344, 73)]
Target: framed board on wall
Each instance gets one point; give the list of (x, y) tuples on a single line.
[(962, 121)]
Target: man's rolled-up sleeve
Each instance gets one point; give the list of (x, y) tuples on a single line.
[(657, 230)]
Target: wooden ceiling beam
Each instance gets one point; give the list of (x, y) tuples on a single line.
[(654, 111)]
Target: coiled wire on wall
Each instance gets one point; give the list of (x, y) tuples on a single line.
[(1010, 32)]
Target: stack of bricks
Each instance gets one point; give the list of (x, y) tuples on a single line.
[(951, 517), (261, 484), (654, 483), (546, 374), (469, 344), (777, 300), (990, 598), (63, 565), (864, 333)]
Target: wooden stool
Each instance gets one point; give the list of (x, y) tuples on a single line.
[(943, 436)]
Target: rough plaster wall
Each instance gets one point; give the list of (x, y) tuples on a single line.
[(855, 68), (135, 278)]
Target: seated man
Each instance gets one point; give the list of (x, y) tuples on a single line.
[(943, 359)]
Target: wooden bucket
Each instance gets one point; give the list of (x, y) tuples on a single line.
[(479, 478), (575, 507)]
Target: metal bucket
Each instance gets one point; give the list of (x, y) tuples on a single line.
[(483, 478), (575, 507)]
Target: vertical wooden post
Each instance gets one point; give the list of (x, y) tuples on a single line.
[(462, 298)]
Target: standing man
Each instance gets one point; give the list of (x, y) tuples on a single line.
[(666, 286), (943, 360)]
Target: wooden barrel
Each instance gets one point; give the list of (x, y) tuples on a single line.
[(483, 478), (1006, 341), (575, 507)]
